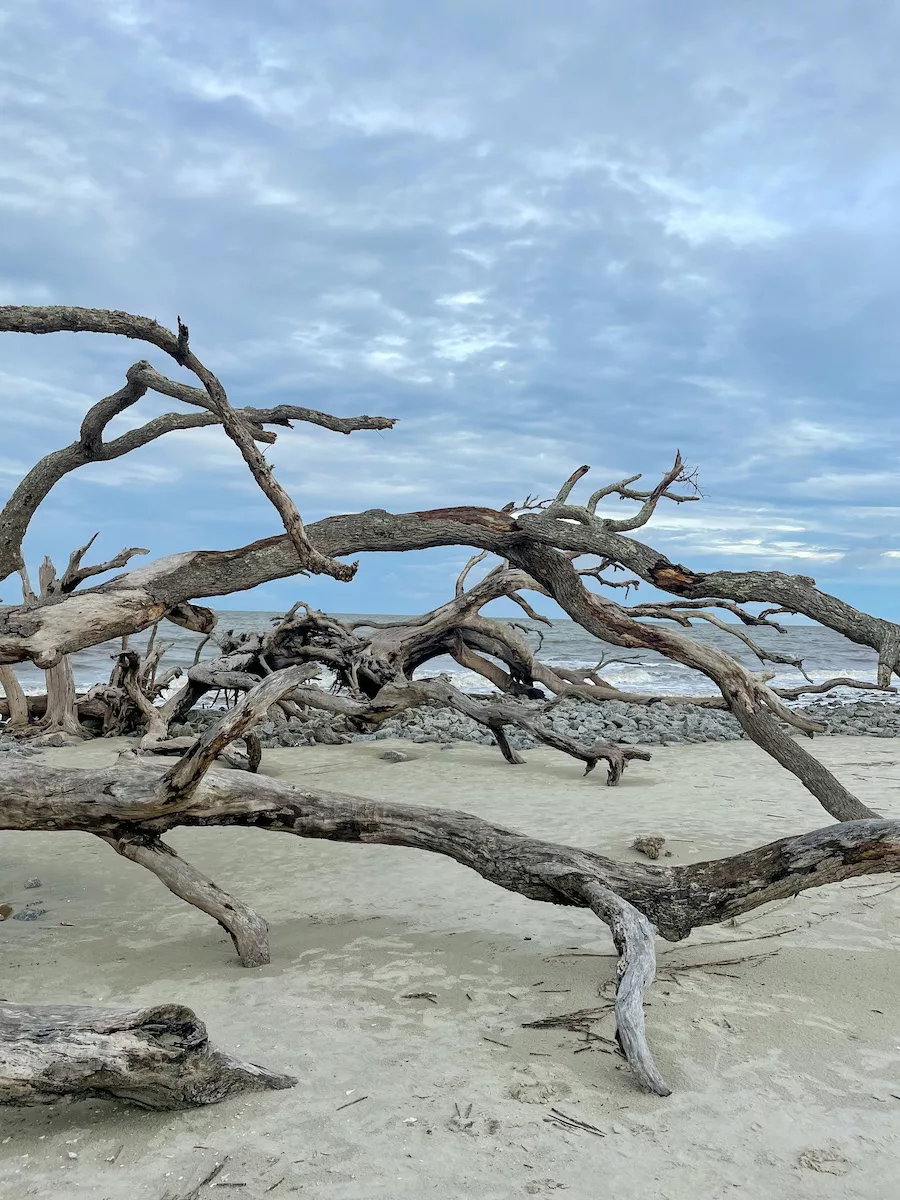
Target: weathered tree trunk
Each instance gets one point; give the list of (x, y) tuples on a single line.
[(62, 713), (157, 1057), (16, 707), (247, 929), (43, 633), (133, 804), (86, 706)]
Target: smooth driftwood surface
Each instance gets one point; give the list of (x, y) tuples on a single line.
[(136, 800), (158, 1057)]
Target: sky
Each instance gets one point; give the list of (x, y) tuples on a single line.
[(537, 234)]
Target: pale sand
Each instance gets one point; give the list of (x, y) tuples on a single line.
[(786, 1069)]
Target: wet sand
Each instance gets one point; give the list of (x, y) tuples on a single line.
[(784, 1052)]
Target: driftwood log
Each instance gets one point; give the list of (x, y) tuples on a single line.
[(542, 540), (157, 1057), (131, 805)]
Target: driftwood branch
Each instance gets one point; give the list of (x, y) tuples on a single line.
[(675, 899), (157, 1057), (633, 938), (179, 784), (247, 929), (244, 426), (138, 599)]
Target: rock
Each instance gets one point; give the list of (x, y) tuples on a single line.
[(54, 741), (649, 845), (393, 756), (5, 911), (33, 882), (827, 1162), (29, 914)]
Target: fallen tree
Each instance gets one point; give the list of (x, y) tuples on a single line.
[(131, 805), (540, 547)]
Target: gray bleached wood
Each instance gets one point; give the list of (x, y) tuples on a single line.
[(158, 1057), (244, 427), (137, 803), (143, 596)]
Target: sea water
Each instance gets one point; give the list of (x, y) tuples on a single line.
[(825, 654)]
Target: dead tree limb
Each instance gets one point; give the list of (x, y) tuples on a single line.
[(246, 426), (675, 899), (30, 319), (246, 928), (157, 1057), (754, 706), (41, 633), (633, 938)]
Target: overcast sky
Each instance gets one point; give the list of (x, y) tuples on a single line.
[(540, 234)]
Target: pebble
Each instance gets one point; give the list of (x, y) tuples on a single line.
[(33, 882), (393, 756)]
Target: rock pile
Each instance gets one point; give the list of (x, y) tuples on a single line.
[(10, 745), (615, 721)]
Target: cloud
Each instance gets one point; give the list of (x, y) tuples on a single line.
[(536, 235), (837, 484)]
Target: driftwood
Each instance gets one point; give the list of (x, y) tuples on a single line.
[(157, 1057), (132, 805), (541, 546), (243, 427), (375, 663), (15, 705), (34, 707), (140, 598)]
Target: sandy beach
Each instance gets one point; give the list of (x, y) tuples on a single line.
[(784, 1052)]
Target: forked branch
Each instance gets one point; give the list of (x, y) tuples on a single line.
[(245, 427)]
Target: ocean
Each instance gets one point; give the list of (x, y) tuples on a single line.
[(824, 653)]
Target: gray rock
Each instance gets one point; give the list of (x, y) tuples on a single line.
[(394, 756), (55, 741), (33, 882), (29, 913)]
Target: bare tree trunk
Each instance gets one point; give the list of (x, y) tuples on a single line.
[(17, 709), (62, 714), (156, 1057), (37, 706)]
